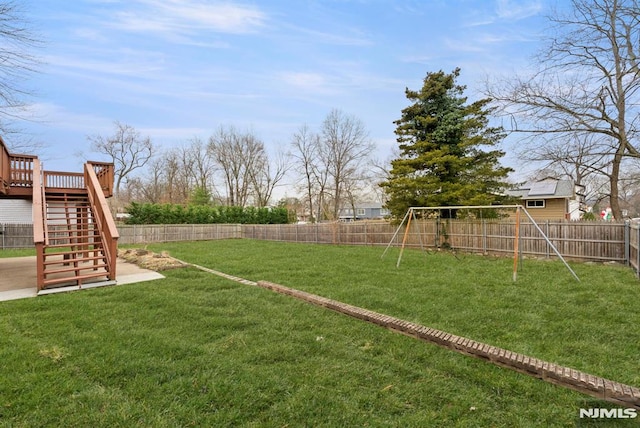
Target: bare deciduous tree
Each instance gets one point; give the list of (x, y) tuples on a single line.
[(238, 156), (305, 145), (587, 84), (344, 148), (579, 158), (16, 42), (198, 164), (266, 175), (126, 148), (331, 163), (154, 187)]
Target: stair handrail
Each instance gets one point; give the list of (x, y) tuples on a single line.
[(103, 218), (40, 234)]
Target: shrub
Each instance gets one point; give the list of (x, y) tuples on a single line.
[(147, 213)]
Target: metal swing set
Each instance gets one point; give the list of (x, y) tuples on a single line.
[(411, 215)]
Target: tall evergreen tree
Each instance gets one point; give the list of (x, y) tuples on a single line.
[(446, 155)]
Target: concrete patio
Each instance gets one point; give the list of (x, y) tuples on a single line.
[(18, 278)]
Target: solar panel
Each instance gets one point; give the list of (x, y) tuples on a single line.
[(547, 187)]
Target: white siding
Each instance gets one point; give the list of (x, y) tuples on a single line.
[(16, 211)]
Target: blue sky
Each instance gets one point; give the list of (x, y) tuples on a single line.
[(178, 69)]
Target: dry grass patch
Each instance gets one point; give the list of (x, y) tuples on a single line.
[(150, 260)]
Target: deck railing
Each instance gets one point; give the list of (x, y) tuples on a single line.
[(15, 170), (17, 175), (102, 216), (21, 170), (5, 167), (63, 180), (105, 173)]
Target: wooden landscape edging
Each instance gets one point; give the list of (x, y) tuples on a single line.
[(595, 386)]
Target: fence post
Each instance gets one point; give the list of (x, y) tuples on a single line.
[(484, 236), (366, 241), (546, 232), (627, 243), (638, 251)]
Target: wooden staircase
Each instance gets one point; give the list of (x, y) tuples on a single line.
[(74, 233), (75, 236), (74, 253)]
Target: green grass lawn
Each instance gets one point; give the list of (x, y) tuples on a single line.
[(196, 349), (17, 252)]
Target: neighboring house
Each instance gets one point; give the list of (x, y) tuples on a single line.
[(364, 211), (15, 211), (549, 199)]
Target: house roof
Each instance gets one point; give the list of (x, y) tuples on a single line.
[(549, 188)]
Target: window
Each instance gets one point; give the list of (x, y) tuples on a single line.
[(360, 211), (535, 203)]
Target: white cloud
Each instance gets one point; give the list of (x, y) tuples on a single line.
[(173, 134), (355, 39), (56, 116), (131, 66), (304, 79), (517, 9), (504, 10), (463, 45), (186, 16)]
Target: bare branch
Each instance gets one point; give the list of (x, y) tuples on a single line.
[(126, 148), (587, 84)]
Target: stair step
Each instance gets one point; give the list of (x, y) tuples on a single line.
[(62, 201), (74, 231), (66, 196), (58, 204), (75, 244), (74, 287), (71, 232), (63, 227), (100, 266), (72, 260), (63, 253), (61, 215), (61, 209), (54, 281), (58, 238), (68, 236)]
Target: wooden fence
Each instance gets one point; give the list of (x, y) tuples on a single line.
[(147, 233), (578, 240), (596, 241), (16, 235)]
